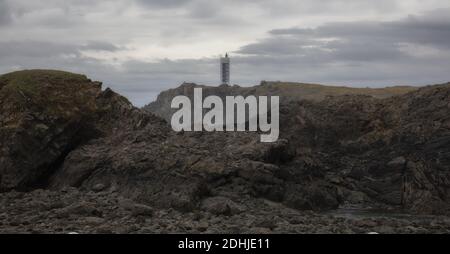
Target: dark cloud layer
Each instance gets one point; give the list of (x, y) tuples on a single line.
[(358, 40), (359, 53)]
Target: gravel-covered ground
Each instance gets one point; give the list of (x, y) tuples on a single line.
[(68, 211)]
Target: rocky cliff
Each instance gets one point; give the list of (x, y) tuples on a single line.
[(287, 92), (61, 132)]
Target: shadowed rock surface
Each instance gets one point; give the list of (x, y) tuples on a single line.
[(95, 152)]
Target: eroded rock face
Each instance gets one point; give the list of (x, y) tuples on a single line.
[(61, 131), (43, 116), (47, 114), (394, 151)]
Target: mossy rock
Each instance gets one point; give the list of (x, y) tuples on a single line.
[(56, 93)]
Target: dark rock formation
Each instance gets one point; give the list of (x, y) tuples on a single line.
[(45, 115), (394, 150), (61, 132), (352, 150)]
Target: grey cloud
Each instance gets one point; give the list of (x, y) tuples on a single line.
[(292, 31), (5, 13), (355, 53), (210, 12), (365, 51), (44, 49), (163, 3), (35, 49), (356, 41), (283, 8), (100, 46), (272, 46), (140, 81), (360, 54), (58, 34), (206, 9), (313, 50), (433, 28)]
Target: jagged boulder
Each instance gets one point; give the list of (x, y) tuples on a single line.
[(44, 115), (47, 114)]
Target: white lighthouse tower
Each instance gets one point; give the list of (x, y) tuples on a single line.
[(225, 70)]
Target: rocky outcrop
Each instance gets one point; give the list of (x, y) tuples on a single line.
[(61, 131), (42, 118), (392, 152), (47, 114), (288, 91), (343, 151)]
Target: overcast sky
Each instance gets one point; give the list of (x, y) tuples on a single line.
[(141, 47)]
